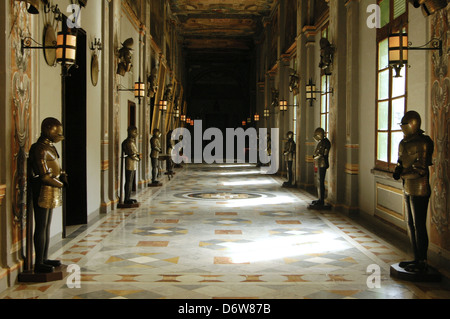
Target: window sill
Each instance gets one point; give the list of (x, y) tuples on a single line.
[(383, 174)]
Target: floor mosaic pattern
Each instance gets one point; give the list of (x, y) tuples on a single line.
[(226, 231)]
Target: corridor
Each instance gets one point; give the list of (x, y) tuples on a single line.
[(226, 231)]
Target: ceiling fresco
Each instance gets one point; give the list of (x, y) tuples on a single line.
[(214, 24)]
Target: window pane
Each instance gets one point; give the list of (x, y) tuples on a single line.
[(385, 12), (382, 147), (383, 85), (383, 116), (323, 122), (399, 84), (398, 111), (396, 138), (383, 54), (323, 104)]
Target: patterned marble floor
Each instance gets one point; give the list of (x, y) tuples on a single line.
[(226, 231)]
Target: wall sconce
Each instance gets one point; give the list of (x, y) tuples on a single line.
[(311, 92), (96, 45), (176, 113), (163, 105), (66, 47), (183, 118), (399, 47), (429, 7), (256, 117), (249, 120), (188, 120), (192, 122), (283, 106), (138, 90), (266, 113), (326, 55), (244, 123)]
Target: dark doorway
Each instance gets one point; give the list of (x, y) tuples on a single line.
[(74, 117)]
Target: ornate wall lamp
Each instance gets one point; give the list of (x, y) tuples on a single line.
[(162, 106), (311, 92), (138, 90), (399, 47), (256, 117), (65, 46), (266, 113)]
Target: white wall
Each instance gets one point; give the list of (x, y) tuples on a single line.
[(49, 103), (417, 94)]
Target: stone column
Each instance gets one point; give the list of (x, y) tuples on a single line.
[(351, 204), (338, 82), (106, 69)]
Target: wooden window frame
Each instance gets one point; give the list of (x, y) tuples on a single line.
[(382, 34)]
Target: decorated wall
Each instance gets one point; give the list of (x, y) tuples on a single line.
[(439, 132)]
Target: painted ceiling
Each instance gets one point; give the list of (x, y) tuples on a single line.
[(219, 24)]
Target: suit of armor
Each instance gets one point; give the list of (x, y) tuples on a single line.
[(289, 153), (47, 181), (321, 161), (132, 159), (414, 158), (155, 145)]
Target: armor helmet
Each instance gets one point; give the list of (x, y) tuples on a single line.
[(51, 129), (290, 134), (319, 134), (156, 132), (132, 131), (411, 123)]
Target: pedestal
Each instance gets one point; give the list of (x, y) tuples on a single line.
[(431, 275), (30, 276), (319, 207), (134, 205), (154, 185)]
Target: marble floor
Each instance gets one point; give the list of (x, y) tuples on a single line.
[(226, 231)]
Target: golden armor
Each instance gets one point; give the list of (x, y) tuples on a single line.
[(322, 164), (130, 150), (47, 181), (415, 156), (155, 145), (289, 153), (322, 149), (132, 158)]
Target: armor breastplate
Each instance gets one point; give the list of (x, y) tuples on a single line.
[(156, 147), (415, 157), (45, 161), (321, 153), (131, 152), (289, 150)]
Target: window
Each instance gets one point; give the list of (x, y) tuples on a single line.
[(391, 91), (325, 94), (294, 115)]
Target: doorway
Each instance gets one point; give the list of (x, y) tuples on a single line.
[(74, 149)]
